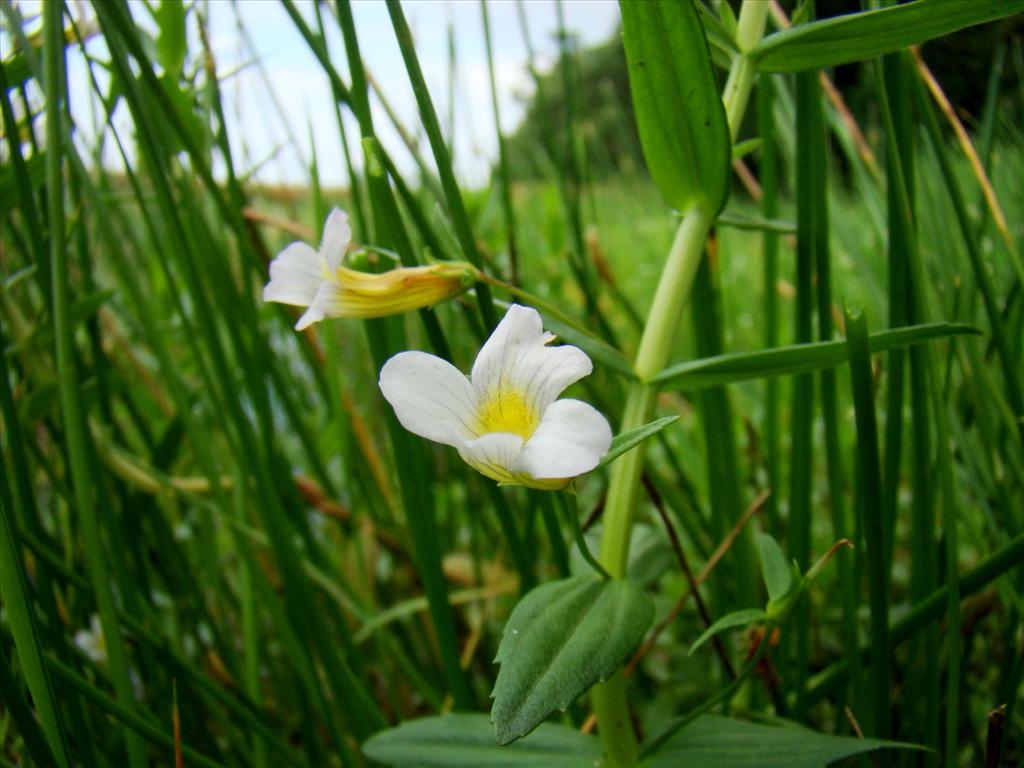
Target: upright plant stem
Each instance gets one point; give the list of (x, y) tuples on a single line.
[(809, 132), (749, 31), (684, 257), (655, 345), (925, 692), (829, 397), (609, 698), (898, 299), (456, 206), (770, 256), (870, 491)]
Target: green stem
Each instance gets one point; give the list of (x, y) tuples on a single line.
[(572, 512), (655, 345), (614, 723), (749, 32), (609, 698)]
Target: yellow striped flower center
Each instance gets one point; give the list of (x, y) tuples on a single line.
[(506, 410)]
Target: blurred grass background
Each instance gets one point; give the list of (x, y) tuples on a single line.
[(216, 538)]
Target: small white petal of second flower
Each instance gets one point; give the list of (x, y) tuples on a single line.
[(431, 397), (326, 303), (570, 440), (337, 235), (295, 276)]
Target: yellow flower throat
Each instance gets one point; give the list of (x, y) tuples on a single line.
[(506, 410)]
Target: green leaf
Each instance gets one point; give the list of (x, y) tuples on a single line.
[(466, 741), (171, 41), (718, 742), (794, 359), (859, 36), (755, 223), (737, 619), (633, 437), (679, 111), (744, 148), (777, 571), (21, 620), (728, 19), (722, 43), (183, 104), (561, 639)]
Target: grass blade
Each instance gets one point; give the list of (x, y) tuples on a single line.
[(869, 493), (769, 178), (21, 618), (456, 206), (504, 182), (70, 395)]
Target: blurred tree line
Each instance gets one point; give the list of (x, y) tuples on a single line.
[(599, 102)]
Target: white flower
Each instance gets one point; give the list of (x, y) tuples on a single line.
[(505, 421), (91, 641), (320, 281)]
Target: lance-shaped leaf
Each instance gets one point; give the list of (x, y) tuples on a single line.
[(860, 36), (795, 358), (679, 111), (561, 639), (466, 741), (713, 742), (631, 438), (782, 577), (778, 573), (730, 621)]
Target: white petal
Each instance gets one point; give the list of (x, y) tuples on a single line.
[(521, 327), (493, 455), (541, 373), (431, 397), (328, 302), (515, 357), (570, 440), (295, 276), (337, 235)]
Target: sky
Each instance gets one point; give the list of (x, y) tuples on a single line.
[(276, 135), (304, 94)]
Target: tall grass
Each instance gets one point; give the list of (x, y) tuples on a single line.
[(226, 515)]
